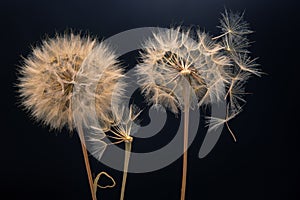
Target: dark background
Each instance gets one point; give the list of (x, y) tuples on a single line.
[(38, 164)]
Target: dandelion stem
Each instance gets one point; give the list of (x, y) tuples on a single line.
[(186, 97), (87, 163), (96, 185), (125, 170)]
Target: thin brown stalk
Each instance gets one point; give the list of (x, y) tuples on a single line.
[(186, 96), (87, 163), (126, 163)]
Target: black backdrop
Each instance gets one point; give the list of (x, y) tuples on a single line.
[(38, 164)]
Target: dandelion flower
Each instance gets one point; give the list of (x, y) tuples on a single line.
[(173, 65), (122, 131), (48, 77), (181, 71)]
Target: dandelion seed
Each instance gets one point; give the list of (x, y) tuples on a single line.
[(235, 44), (245, 63), (234, 24), (216, 122)]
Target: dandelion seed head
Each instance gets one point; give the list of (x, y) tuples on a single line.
[(125, 124), (171, 57), (216, 68), (48, 76)]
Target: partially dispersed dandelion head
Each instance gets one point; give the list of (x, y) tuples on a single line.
[(173, 56), (48, 76), (125, 124), (216, 68)]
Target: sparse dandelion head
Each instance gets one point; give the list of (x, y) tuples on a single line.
[(175, 56), (216, 69), (48, 76), (125, 125)]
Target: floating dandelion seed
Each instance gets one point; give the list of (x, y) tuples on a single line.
[(48, 79), (235, 31), (180, 72)]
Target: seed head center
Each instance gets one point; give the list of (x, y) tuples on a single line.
[(128, 138), (185, 71)]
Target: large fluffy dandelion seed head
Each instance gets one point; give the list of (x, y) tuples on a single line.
[(48, 76), (172, 57)]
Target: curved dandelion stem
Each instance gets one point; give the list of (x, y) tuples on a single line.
[(126, 163), (95, 186), (186, 112)]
